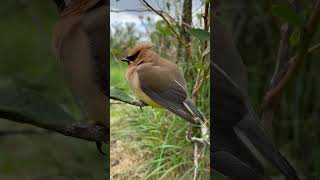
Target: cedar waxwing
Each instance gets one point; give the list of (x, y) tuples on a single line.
[(241, 149), (159, 83), (80, 45)]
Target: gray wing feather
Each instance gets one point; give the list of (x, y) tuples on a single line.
[(162, 88)]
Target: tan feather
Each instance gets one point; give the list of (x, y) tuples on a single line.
[(79, 45)]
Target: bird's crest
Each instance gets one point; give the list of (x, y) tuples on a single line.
[(74, 7), (139, 47)]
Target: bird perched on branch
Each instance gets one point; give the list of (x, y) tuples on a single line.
[(241, 149), (159, 83), (80, 45)]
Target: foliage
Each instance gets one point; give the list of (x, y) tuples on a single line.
[(296, 120), (159, 134)]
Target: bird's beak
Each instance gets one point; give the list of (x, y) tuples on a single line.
[(126, 60)]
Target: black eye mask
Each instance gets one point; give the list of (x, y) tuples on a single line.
[(131, 58), (60, 4)]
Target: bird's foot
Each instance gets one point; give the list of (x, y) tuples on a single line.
[(205, 136), (139, 103), (99, 147), (99, 144)]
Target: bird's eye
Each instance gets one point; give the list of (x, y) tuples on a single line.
[(133, 57)]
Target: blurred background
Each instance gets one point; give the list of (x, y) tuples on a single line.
[(26, 152), (151, 144), (296, 124)]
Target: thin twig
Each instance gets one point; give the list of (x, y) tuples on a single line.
[(129, 10), (168, 23), (204, 140), (196, 159), (199, 80), (134, 103), (306, 37), (282, 59)]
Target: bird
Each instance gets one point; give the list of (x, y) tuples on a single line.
[(80, 46), (159, 83), (242, 149)]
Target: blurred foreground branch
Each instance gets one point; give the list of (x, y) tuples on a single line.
[(80, 130), (27, 107), (23, 132)]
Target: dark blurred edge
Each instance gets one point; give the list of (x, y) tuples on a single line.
[(108, 79), (213, 5)]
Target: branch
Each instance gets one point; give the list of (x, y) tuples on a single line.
[(119, 95), (129, 10), (199, 80), (23, 132), (28, 107), (168, 23), (306, 37), (282, 59), (80, 130), (204, 140)]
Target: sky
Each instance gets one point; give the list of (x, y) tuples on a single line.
[(133, 17), (124, 17)]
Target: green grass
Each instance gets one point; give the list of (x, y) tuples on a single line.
[(118, 75), (158, 133)]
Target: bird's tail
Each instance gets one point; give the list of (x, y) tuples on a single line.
[(194, 111), (264, 145)]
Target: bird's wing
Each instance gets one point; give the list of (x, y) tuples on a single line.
[(165, 85), (95, 26), (244, 125), (234, 168)]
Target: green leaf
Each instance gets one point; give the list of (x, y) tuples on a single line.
[(119, 94), (162, 28), (287, 14), (294, 38), (198, 66), (201, 34), (25, 104), (168, 5)]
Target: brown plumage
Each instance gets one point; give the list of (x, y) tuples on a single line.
[(80, 45), (159, 82)]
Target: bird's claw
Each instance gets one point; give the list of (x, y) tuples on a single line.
[(99, 147), (139, 103)]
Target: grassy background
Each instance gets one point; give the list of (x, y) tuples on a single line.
[(156, 135)]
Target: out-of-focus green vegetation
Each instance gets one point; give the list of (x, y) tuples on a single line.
[(296, 122), (27, 61), (157, 136)]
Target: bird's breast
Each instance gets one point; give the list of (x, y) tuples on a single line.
[(134, 83)]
